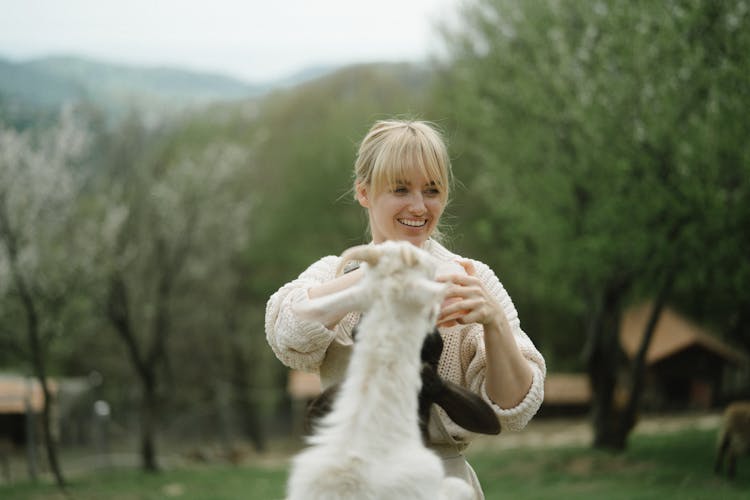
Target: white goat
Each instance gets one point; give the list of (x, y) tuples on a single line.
[(369, 446), (734, 436)]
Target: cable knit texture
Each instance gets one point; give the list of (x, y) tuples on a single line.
[(310, 346)]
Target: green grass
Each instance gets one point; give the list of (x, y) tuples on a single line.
[(676, 465), (197, 483)]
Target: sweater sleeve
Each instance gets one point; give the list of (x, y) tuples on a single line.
[(299, 344), (474, 358)]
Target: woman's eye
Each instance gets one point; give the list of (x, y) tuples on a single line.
[(432, 192), (400, 190)]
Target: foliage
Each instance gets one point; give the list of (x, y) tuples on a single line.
[(602, 142), (607, 146), (307, 140), (40, 256), (43, 253), (597, 141), (173, 217), (244, 195)]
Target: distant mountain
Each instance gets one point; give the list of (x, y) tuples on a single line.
[(43, 84), (169, 83), (304, 75), (34, 85)]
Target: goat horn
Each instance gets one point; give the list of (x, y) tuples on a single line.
[(365, 253)]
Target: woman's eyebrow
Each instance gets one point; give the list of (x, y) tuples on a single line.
[(402, 182)]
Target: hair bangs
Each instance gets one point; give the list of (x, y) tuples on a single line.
[(405, 152)]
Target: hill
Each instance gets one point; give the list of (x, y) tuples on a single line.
[(40, 86)]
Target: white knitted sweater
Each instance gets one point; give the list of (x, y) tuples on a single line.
[(310, 346)]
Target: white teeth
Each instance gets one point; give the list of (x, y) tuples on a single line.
[(413, 223)]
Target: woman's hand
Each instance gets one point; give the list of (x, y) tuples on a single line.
[(467, 300), (508, 372)]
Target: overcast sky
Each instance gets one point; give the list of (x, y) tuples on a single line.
[(251, 39)]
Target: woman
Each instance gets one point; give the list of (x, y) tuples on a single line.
[(402, 177)]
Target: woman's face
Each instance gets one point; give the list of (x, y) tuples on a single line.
[(408, 211)]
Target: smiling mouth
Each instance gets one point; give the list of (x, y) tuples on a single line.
[(413, 223)]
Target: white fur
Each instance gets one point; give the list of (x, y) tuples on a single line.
[(369, 446)]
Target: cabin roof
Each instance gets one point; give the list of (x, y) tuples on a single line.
[(673, 333), (16, 391)]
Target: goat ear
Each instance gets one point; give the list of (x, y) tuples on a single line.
[(467, 409)]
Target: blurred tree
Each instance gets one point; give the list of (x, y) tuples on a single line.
[(307, 141), (173, 217), (607, 153), (289, 159), (42, 259)]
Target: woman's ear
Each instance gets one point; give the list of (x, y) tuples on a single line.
[(362, 195)]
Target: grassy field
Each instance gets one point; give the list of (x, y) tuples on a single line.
[(675, 465)]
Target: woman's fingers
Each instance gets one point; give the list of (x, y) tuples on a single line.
[(449, 312), (456, 304), (465, 297), (462, 317), (459, 309)]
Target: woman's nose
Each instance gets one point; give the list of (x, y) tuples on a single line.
[(416, 204)]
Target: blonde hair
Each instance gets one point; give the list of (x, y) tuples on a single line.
[(392, 148)]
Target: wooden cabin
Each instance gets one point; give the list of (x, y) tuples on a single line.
[(687, 367), (21, 403)]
